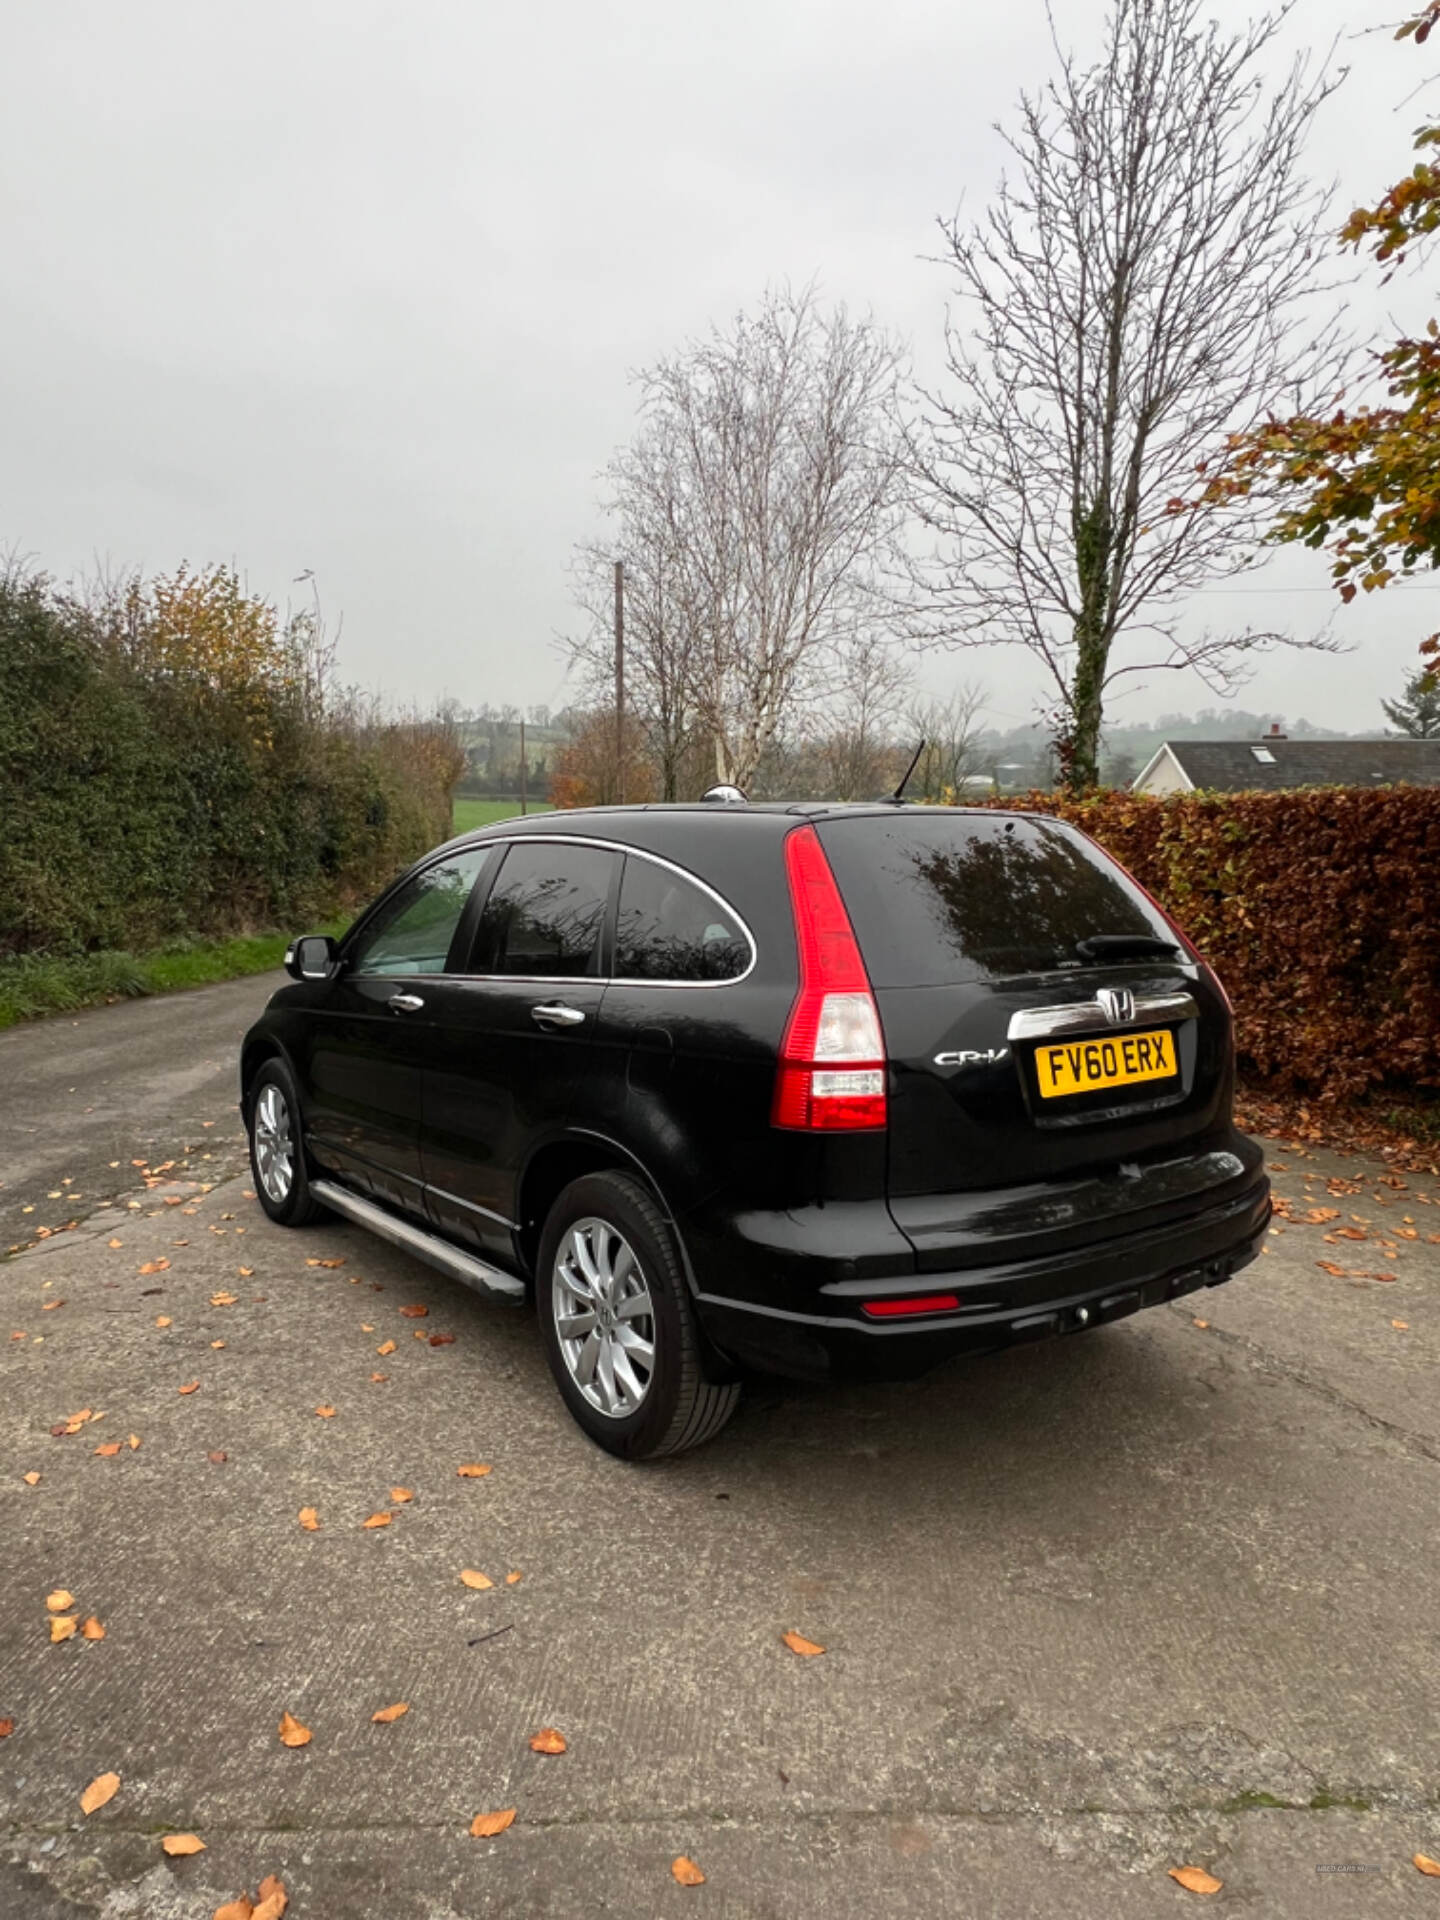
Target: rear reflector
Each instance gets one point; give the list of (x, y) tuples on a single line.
[(831, 1071), (922, 1303)]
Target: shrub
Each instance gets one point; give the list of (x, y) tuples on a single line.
[(1318, 909)]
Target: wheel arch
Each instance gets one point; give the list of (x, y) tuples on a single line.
[(556, 1163), (256, 1050)]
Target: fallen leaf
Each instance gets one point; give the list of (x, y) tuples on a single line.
[(59, 1600), (442, 1339), (32, 1479), (100, 1792), (50, 1305), (1426, 1864), (326, 1413), (62, 1627), (797, 1643), (548, 1740), (178, 1845), (222, 1299), (1325, 1266), (365, 1327), (155, 1266), (162, 1320), (415, 1312), (387, 1347), (134, 1443), (310, 1519), (292, 1733), (1401, 1326), (376, 1520), (191, 1388), (486, 1825), (379, 1376), (114, 1243), (472, 1472), (108, 1449), (91, 1629), (246, 1273), (386, 1714), (1195, 1879), (471, 1578), (7, 1727), (400, 1495), (513, 1579), (273, 1899), (240, 1909), (218, 1458), (324, 1263), (686, 1872), (1201, 1323), (215, 1345)]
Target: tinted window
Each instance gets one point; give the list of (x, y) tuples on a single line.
[(546, 911), (936, 900), (412, 932), (670, 929)]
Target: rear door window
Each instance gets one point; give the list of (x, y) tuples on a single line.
[(939, 900), (668, 928), (546, 912)]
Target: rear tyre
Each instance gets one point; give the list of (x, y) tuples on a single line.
[(619, 1329), (277, 1154)]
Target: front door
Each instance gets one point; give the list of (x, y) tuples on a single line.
[(519, 1037), (370, 1039)]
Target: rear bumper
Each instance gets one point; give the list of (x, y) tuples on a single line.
[(1000, 1305)]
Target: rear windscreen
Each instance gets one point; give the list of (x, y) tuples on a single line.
[(939, 899)]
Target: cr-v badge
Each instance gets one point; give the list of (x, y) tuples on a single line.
[(965, 1058)]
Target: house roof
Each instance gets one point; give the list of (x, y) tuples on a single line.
[(1236, 766)]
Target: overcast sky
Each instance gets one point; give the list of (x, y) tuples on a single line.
[(357, 288)]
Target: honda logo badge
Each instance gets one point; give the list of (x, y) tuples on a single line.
[(1117, 1004)]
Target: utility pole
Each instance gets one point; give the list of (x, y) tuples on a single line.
[(522, 764), (620, 681)]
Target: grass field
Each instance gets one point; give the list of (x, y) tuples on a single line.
[(482, 813)]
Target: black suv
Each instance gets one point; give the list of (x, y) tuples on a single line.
[(821, 1090)]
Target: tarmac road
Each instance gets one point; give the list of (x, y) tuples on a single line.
[(1158, 1595)]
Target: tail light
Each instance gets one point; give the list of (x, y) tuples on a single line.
[(831, 1073)]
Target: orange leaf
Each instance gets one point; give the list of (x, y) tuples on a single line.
[(1195, 1879), (162, 1320), (100, 1792), (1401, 1326), (376, 1520), (415, 1313), (387, 1346), (245, 1273), (32, 1479), (114, 1243), (310, 1519), (1200, 1323), (472, 1473), (478, 1581), (177, 1845), (91, 1629), (272, 1904), (240, 1909), (797, 1643), (326, 1413), (486, 1825), (513, 1579), (442, 1339), (59, 1600), (134, 1442), (155, 1266), (222, 1299), (1426, 1864), (687, 1873), (324, 1263), (216, 1344), (379, 1377), (191, 1388), (365, 1327), (292, 1733), (50, 1306), (62, 1627), (108, 1449), (548, 1740), (387, 1714), (400, 1495), (7, 1727)]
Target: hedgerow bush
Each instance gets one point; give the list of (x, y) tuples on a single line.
[(168, 766), (1319, 909)]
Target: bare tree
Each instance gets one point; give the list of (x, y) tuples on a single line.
[(1137, 292), (756, 510), (855, 731), (950, 729)]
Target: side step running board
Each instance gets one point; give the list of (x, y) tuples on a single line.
[(425, 1246)]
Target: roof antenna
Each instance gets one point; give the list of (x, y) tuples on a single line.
[(897, 799)]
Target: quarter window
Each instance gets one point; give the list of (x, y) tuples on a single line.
[(546, 911), (412, 931), (670, 929)]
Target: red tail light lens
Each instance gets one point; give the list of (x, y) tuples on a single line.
[(921, 1303), (831, 1074)]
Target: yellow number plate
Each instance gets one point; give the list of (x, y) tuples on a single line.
[(1088, 1066)]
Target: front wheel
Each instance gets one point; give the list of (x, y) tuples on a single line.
[(277, 1157), (619, 1330)]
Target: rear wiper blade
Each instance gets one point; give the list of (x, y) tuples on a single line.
[(1119, 946)]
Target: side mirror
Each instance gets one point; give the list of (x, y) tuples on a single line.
[(313, 957)]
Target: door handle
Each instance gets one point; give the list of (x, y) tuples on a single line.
[(405, 1002), (554, 1014)]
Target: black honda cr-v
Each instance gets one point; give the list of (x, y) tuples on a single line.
[(821, 1090)]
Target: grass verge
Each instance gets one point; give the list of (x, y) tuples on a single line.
[(35, 984), (470, 814)]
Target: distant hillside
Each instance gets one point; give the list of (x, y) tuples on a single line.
[(1021, 757)]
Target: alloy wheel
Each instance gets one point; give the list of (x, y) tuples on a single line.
[(274, 1144), (604, 1317)]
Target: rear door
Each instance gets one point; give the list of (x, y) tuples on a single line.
[(519, 1036), (1057, 1059)]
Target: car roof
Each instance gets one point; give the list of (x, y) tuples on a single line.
[(779, 815)]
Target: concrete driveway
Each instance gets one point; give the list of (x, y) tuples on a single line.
[(1156, 1596)]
